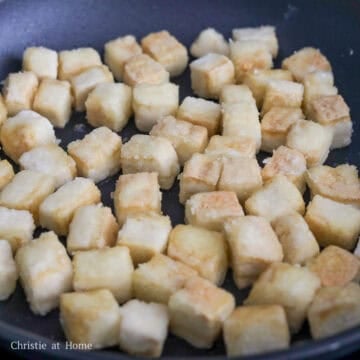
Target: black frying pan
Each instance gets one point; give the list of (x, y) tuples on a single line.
[(333, 26)]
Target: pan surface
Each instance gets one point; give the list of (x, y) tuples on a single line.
[(332, 26)]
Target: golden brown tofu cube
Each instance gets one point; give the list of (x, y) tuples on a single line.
[(253, 247), (210, 73), (232, 93), (3, 110), (257, 329), (333, 223), (43, 62), (201, 249), (8, 271), (198, 311), (209, 41), (6, 173), (159, 278)]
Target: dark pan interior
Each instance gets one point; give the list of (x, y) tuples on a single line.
[(332, 26)]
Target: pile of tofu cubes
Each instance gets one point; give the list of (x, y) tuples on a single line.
[(125, 276)]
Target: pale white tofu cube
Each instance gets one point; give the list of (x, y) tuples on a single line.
[(210, 73), (277, 197), (19, 91), (6, 173), (16, 226), (152, 102), (43, 62), (232, 93), (145, 153), (109, 105), (8, 271), (92, 227), (97, 155), (290, 286), (253, 247), (57, 210), (298, 242), (145, 235), (91, 317), (159, 278), (118, 51), (25, 131), (251, 330), (109, 268), (333, 223), (166, 50), (186, 138), (53, 100), (73, 62), (200, 112), (137, 194), (311, 139), (3, 110), (203, 250), (209, 41), (45, 272), (142, 69), (143, 328), (198, 311)]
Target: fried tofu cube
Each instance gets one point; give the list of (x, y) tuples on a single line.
[(73, 62), (152, 102), (167, 50), (257, 329), (118, 51), (45, 272), (142, 69), (16, 226), (210, 209), (8, 271), (51, 160), (186, 138), (231, 94), (159, 278), (288, 162), (26, 191), (143, 328), (335, 266), (92, 227), (137, 194), (144, 235), (43, 62), (25, 131), (58, 209), (201, 174), (210, 73), (19, 91), (241, 175), (91, 317), (282, 93), (253, 247), (333, 223), (332, 112), (277, 197), (304, 61), (249, 55), (290, 286), (108, 268), (109, 105), (209, 41), (3, 110), (298, 242), (340, 183), (333, 310), (98, 154), (144, 153), (261, 34), (311, 139), (200, 112), (198, 311), (83, 83), (203, 250), (6, 173), (275, 126), (53, 100)]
